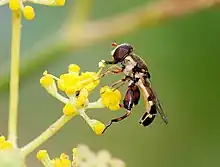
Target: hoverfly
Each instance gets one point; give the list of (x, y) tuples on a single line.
[(138, 77)]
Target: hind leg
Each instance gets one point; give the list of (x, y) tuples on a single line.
[(131, 98), (128, 112)]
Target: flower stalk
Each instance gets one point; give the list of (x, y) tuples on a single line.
[(14, 77), (56, 126)]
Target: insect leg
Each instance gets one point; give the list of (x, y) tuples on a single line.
[(110, 62), (151, 108), (131, 98), (112, 70), (117, 119)]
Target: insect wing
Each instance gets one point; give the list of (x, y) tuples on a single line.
[(148, 90), (161, 111)]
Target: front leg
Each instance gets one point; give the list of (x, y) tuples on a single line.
[(112, 70), (110, 62)]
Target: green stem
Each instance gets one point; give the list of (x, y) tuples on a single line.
[(14, 77), (45, 135)]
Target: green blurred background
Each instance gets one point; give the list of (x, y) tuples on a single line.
[(183, 58)]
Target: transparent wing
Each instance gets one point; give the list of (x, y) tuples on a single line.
[(156, 101)]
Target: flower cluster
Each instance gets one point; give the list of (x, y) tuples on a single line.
[(28, 11), (82, 156), (77, 87)]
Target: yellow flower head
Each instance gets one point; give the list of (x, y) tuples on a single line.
[(5, 144), (47, 80), (28, 11), (69, 110), (84, 157), (69, 83), (63, 161), (14, 5), (44, 157), (73, 68), (97, 126), (48, 83), (110, 98), (42, 154)]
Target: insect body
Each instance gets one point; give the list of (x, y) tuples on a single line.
[(138, 78)]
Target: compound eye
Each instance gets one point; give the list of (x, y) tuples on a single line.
[(122, 51)]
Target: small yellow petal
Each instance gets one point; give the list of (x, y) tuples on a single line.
[(69, 110), (42, 154), (46, 80), (98, 127), (74, 68), (63, 161), (29, 13), (14, 5), (6, 145), (110, 98), (60, 2)]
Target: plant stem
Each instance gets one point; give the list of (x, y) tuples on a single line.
[(45, 135), (14, 78)]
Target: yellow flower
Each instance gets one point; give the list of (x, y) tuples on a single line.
[(14, 5), (69, 83), (5, 144), (60, 2), (110, 98), (73, 68), (83, 156), (48, 83), (46, 80), (28, 12), (82, 98), (63, 161), (69, 110), (97, 126), (44, 157), (42, 154)]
